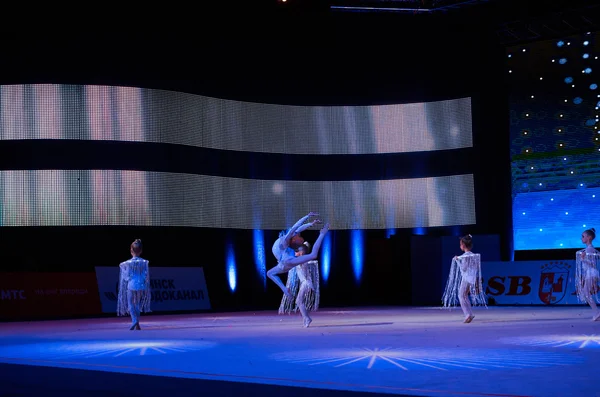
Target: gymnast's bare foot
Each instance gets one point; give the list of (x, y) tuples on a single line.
[(307, 322)]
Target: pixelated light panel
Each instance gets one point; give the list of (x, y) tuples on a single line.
[(118, 197), (150, 115), (126, 114)]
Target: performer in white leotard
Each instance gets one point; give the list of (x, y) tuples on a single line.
[(303, 283), (465, 280), (134, 286), (284, 246), (587, 273)]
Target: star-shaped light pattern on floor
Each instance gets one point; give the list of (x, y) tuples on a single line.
[(427, 358), (100, 349), (571, 341)]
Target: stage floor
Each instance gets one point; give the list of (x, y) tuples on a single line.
[(526, 351)]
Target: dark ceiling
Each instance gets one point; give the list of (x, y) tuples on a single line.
[(513, 21)]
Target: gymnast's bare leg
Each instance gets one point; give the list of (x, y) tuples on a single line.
[(465, 302), (304, 289)]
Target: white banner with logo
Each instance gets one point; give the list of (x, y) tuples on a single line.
[(530, 282), (173, 288)]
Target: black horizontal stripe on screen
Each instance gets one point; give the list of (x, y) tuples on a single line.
[(160, 157)]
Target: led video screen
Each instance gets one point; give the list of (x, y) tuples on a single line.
[(150, 115), (116, 197), (555, 141), (58, 197)]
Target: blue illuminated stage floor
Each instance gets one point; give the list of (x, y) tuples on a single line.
[(527, 351)]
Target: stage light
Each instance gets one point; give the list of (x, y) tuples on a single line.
[(593, 86), (584, 226), (524, 50), (532, 97), (510, 71), (510, 55), (586, 56), (566, 213), (260, 260), (357, 247), (552, 199), (523, 213), (568, 80), (231, 267), (562, 61), (560, 43), (541, 78), (586, 42), (588, 70), (325, 257), (577, 101), (541, 230)]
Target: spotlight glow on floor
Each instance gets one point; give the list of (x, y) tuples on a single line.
[(428, 359), (100, 349), (571, 341)]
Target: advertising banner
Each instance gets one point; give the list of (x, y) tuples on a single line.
[(530, 282), (173, 288), (28, 294)]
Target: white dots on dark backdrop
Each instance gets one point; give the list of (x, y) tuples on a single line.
[(556, 141)]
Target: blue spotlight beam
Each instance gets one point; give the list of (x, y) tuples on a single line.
[(326, 257), (231, 267), (357, 241), (260, 260)]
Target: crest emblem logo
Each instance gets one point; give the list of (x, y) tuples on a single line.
[(553, 282)]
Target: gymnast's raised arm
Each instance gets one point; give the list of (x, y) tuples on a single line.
[(298, 227)]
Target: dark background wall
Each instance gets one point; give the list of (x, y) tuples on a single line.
[(295, 58)]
